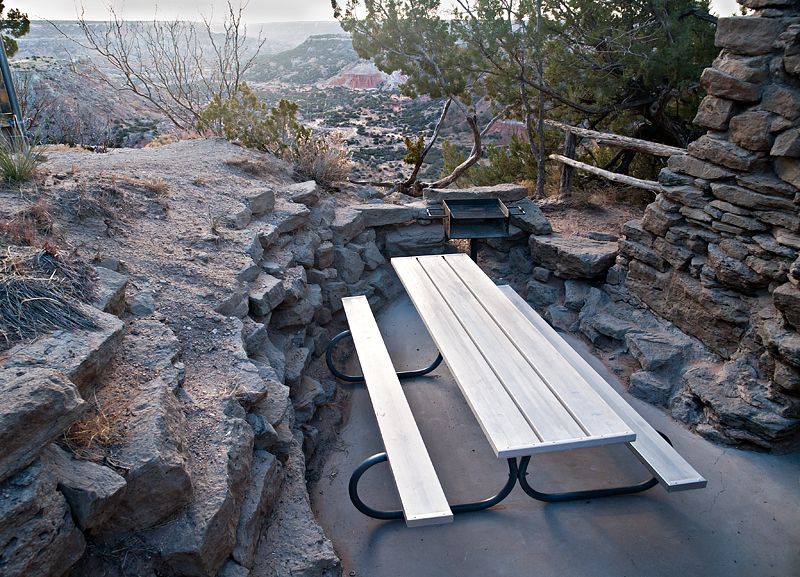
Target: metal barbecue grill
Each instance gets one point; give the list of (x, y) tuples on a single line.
[(475, 219)]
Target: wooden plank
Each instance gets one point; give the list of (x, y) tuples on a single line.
[(587, 407), (504, 426), (665, 463), (421, 494), (543, 411)]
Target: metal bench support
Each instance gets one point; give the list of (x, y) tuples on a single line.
[(359, 378), (392, 515)]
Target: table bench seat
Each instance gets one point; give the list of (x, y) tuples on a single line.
[(663, 461), (421, 494)]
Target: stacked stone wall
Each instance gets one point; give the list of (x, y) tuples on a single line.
[(717, 252)]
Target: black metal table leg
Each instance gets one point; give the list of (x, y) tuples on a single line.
[(360, 378), (513, 474)]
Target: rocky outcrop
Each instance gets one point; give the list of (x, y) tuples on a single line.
[(713, 254), (37, 534), (38, 405)]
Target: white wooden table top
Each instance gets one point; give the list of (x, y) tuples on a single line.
[(526, 397)]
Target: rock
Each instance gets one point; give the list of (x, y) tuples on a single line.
[(724, 153), (155, 452), (519, 259), (634, 231), (110, 292), (713, 315), (768, 243), (37, 534), (657, 351), (415, 239), (659, 222), (738, 404), (650, 388), (294, 544), (307, 193), (301, 313), (38, 405), (80, 354), (560, 317), (576, 294), (92, 491), (237, 216), (722, 85), (781, 100), (788, 221), (372, 256), (266, 475), (733, 273), (260, 201), (347, 224), (787, 300), (381, 214), (323, 255), (248, 272), (231, 305), (288, 216), (714, 113), (297, 361), (152, 346), (788, 169), (533, 221), (508, 193), (333, 293), (308, 397), (573, 257), (540, 294), (232, 569), (753, 69), (747, 36), (787, 144), (267, 294), (688, 196), (267, 234), (197, 542), (748, 199), (348, 264), (541, 274), (751, 130), (295, 286), (686, 164), (593, 322)]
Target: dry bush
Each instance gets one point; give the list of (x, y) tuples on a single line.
[(33, 226), (102, 197), (324, 158)]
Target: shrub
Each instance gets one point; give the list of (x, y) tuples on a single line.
[(19, 158), (324, 158)]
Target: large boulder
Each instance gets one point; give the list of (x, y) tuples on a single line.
[(573, 257), (532, 221), (37, 534), (415, 239), (505, 192), (202, 536), (37, 404)]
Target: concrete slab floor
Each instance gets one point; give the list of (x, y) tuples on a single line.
[(744, 523)]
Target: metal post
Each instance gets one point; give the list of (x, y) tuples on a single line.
[(12, 93)]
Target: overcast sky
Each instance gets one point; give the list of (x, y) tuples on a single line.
[(257, 10)]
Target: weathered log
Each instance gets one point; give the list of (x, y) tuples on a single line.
[(612, 176), (619, 141)]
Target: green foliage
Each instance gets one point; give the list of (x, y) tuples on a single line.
[(15, 24), (324, 158), (415, 148), (511, 163), (19, 158), (244, 118)]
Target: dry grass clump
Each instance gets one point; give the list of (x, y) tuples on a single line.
[(101, 197), (104, 423), (19, 157), (324, 158), (39, 292)]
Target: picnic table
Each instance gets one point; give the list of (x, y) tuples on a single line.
[(530, 392)]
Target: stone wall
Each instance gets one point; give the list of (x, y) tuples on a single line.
[(717, 252)]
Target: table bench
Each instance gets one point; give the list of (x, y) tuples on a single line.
[(529, 390)]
